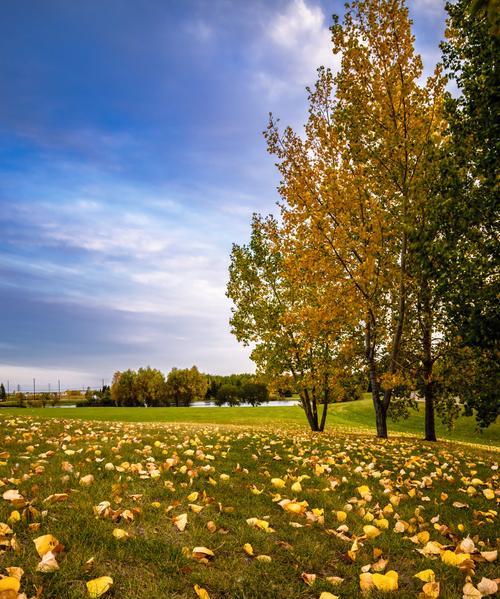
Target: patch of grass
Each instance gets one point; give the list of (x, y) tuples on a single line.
[(156, 467), (351, 416)]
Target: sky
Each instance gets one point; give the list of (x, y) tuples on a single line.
[(131, 158)]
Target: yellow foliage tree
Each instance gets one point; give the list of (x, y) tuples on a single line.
[(352, 185)]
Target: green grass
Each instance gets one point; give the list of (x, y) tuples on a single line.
[(345, 416), (160, 465)]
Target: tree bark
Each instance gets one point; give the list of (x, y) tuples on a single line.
[(428, 362), (379, 406), (323, 417), (430, 425), (380, 417)]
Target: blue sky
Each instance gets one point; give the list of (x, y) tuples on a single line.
[(131, 157)]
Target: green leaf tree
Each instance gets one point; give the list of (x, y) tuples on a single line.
[(123, 388), (276, 311), (185, 386)]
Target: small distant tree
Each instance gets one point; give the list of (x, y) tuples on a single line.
[(44, 398), (254, 393), (151, 387), (3, 394), (20, 399), (228, 394), (185, 386), (89, 395), (123, 391), (214, 384)]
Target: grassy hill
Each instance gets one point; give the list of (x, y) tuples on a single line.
[(352, 416)]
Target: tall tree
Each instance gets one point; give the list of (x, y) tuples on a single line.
[(350, 186), (277, 313), (469, 214)]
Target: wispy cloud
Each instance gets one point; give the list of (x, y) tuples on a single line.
[(295, 42)]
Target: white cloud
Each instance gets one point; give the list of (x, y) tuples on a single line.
[(294, 44)]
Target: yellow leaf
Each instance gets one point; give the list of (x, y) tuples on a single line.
[(264, 558), (202, 593), (489, 493), (371, 531), (430, 590), (248, 549), (99, 586), (386, 582), (327, 595), (14, 517), (193, 496), (45, 543), (119, 533), (363, 490), (279, 483), (450, 558), (426, 575), (341, 516), (9, 583), (423, 537)]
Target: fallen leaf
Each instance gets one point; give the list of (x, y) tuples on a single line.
[(99, 586), (202, 593), (45, 543)]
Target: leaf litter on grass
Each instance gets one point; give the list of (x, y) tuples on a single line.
[(220, 512)]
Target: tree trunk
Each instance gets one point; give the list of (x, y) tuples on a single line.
[(428, 362), (380, 416), (312, 417), (430, 425), (323, 417)]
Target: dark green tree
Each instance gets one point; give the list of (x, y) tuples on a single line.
[(3, 394), (228, 394), (468, 216), (254, 393)]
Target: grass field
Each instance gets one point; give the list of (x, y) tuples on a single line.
[(132, 501), (345, 416)]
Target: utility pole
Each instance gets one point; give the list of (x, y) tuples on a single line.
[(59, 388), (34, 389)]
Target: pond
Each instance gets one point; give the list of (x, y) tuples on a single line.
[(210, 404), (272, 404)]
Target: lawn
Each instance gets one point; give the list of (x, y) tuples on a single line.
[(354, 416), (273, 512)]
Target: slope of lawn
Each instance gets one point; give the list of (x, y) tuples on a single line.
[(186, 511), (345, 416)]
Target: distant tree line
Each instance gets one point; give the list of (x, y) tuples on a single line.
[(149, 387)]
